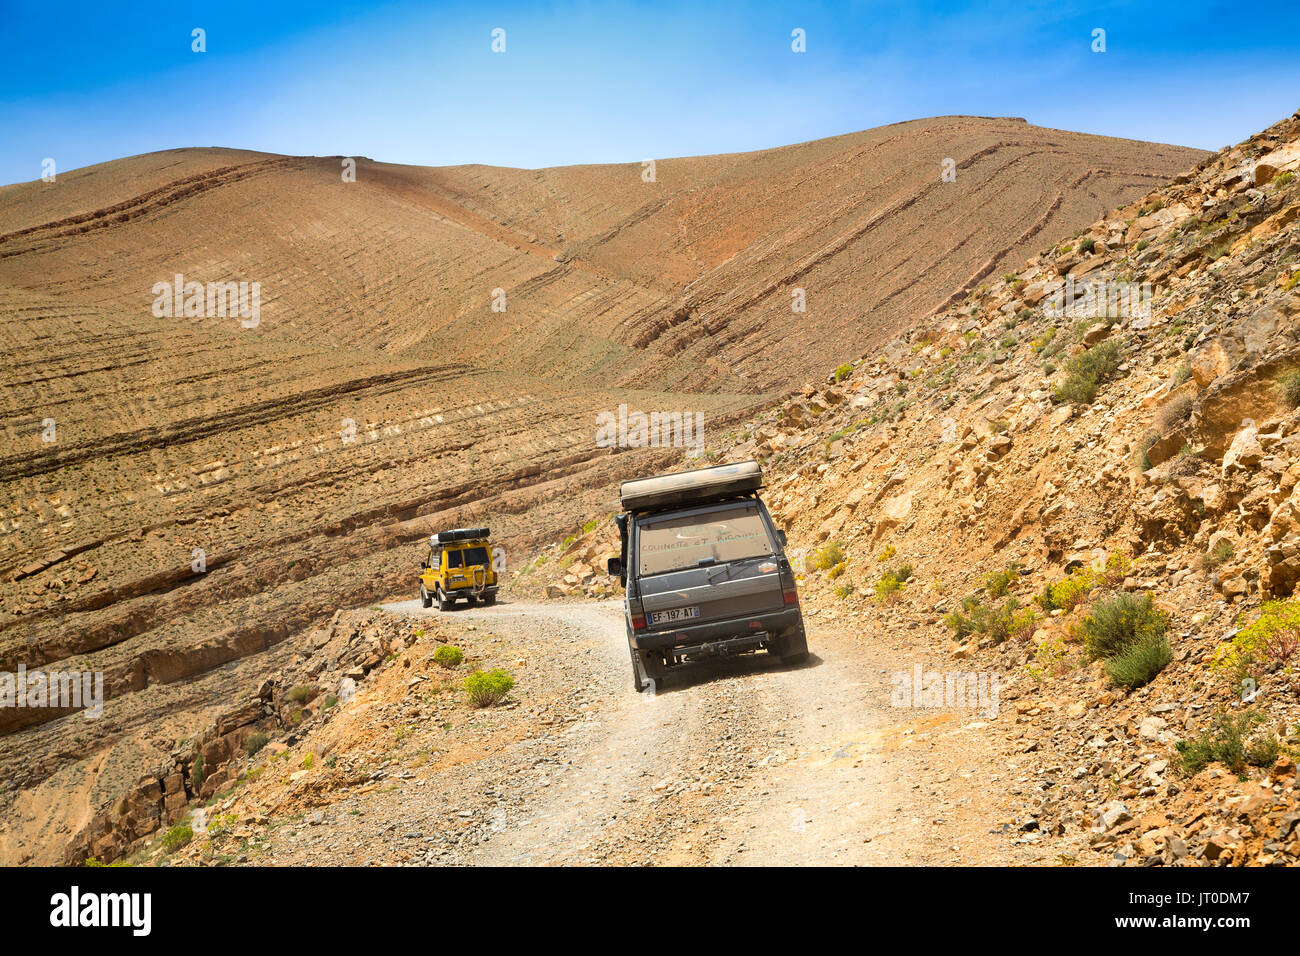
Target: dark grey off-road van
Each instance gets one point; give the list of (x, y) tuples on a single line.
[(705, 571)]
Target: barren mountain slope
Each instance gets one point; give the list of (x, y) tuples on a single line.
[(683, 282)]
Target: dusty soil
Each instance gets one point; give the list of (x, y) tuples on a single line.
[(730, 762)]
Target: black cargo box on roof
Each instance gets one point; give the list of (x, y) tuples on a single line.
[(691, 487), (459, 534)]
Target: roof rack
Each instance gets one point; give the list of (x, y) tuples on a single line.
[(691, 487)]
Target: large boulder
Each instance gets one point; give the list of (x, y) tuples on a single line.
[(1245, 452)]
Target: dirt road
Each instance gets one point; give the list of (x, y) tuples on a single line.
[(736, 762)]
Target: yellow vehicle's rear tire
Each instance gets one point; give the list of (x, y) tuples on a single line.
[(444, 603), (426, 600)]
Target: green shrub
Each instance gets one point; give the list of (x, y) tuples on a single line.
[(1113, 625), (1272, 638), (177, 837), (301, 693), (998, 623), (1087, 245), (844, 590), (1262, 750), (1010, 620), (1223, 742), (825, 557), (843, 372), (964, 621), (256, 742), (892, 581), (486, 688), (1290, 386), (1067, 594), (998, 583), (1087, 371), (448, 656), (1140, 662)]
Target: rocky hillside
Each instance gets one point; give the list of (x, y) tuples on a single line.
[(1094, 498)]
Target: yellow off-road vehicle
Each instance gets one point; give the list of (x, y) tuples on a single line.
[(458, 564)]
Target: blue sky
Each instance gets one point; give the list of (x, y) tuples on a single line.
[(615, 82)]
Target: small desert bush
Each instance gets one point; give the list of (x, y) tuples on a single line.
[(1087, 371), (1087, 245), (843, 372), (997, 622), (448, 656), (256, 742), (844, 590), (1268, 642), (1173, 413), (998, 583), (1225, 741), (1221, 552), (892, 581), (1113, 625), (1141, 451), (1069, 593), (177, 837), (301, 693), (486, 688), (1290, 386), (825, 557), (1140, 662)]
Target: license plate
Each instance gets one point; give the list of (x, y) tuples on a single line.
[(673, 614)]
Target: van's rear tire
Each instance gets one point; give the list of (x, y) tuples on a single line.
[(426, 599), (792, 646), (645, 672), (489, 600), (444, 603), (638, 682)]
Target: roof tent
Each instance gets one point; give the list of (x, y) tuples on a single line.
[(691, 487), (459, 534)]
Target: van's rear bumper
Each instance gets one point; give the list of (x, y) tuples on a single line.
[(721, 637)]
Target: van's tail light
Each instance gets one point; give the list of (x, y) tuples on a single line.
[(638, 622), (791, 594)]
